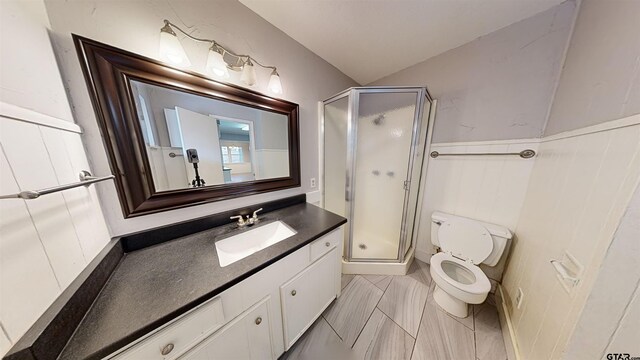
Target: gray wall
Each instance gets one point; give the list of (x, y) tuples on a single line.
[(271, 131), (159, 98), (135, 25), (499, 86), (601, 76)]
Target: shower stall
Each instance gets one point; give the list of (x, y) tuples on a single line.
[(373, 149)]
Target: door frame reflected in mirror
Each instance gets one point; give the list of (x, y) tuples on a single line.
[(252, 139)]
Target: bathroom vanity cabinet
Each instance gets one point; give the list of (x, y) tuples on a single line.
[(247, 336), (258, 318), (171, 293)]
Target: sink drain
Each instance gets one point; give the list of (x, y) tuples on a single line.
[(362, 246)]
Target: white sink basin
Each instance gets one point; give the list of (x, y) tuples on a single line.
[(242, 245)]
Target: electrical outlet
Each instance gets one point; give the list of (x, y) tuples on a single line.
[(312, 183), (519, 298)]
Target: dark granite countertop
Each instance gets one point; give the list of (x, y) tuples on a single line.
[(154, 285)]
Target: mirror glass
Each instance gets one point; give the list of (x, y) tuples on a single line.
[(196, 141)]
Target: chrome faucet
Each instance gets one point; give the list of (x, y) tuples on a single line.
[(241, 221), (251, 219)]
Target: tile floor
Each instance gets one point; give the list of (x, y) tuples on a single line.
[(395, 317)]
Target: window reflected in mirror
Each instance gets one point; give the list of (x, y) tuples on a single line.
[(196, 141)]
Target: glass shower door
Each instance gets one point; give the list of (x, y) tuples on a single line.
[(384, 143), (410, 222), (335, 155), (335, 127)]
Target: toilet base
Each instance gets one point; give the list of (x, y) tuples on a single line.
[(450, 304)]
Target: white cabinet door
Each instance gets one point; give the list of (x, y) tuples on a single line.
[(305, 296), (245, 337), (178, 337)]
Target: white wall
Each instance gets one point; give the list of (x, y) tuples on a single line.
[(625, 337), (579, 188), (487, 188), (581, 184), (499, 86), (239, 168), (28, 70), (610, 319), (44, 243), (601, 77), (134, 26)]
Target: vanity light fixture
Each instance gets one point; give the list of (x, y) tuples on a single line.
[(248, 73), (219, 59), (274, 82), (215, 62), (170, 48)]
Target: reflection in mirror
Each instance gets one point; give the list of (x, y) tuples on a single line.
[(196, 141)]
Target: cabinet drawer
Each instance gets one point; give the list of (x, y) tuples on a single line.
[(178, 336), (305, 296), (324, 245)]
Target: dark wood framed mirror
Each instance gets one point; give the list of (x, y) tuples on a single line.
[(176, 138)]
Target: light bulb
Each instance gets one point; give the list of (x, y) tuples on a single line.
[(248, 73), (215, 63), (274, 82), (170, 48)]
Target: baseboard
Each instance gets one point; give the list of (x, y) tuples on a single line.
[(423, 255), (378, 268), (508, 332)]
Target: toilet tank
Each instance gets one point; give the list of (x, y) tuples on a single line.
[(499, 234)]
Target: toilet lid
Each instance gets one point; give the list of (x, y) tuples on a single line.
[(465, 239)]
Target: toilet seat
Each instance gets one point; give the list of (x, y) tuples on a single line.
[(474, 293), (465, 239)]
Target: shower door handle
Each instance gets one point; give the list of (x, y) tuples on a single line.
[(347, 193)]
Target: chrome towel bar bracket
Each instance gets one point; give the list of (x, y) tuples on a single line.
[(525, 154), (85, 177)]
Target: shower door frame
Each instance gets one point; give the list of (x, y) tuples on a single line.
[(353, 94)]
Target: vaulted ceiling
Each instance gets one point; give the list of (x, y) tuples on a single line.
[(370, 39)]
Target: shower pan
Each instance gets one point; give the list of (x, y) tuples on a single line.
[(373, 152)]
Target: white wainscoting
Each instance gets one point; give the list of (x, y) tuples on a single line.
[(487, 188), (46, 242), (580, 186), (315, 197)]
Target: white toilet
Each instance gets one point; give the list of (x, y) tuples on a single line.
[(464, 244)]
